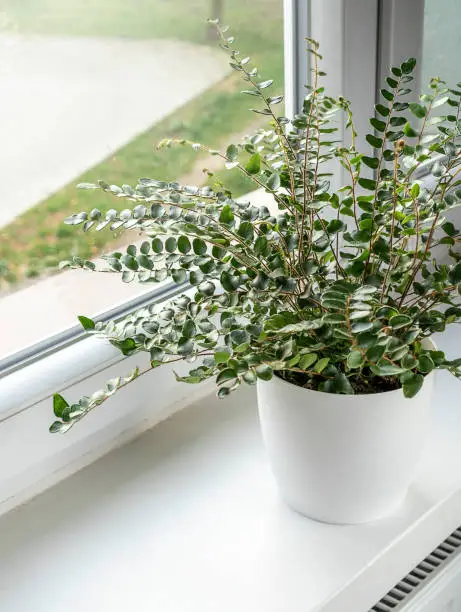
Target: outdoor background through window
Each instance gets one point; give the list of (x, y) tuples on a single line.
[(87, 89), (441, 43)]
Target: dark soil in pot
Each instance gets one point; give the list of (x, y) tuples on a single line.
[(361, 384)]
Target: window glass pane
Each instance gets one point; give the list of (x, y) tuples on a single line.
[(87, 90), (442, 41)]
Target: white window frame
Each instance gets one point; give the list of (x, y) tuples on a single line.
[(359, 38), (32, 459)]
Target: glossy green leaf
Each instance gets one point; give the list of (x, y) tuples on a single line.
[(184, 245), (339, 384), (408, 66), (273, 182), (58, 427), (386, 369), (246, 231), (171, 244), (127, 276), (179, 276), (412, 385), (409, 131), (398, 321), (415, 190), (425, 363), (360, 326), (253, 165), (418, 110), (264, 372), (307, 361), (397, 121), (374, 353), (265, 84), (232, 153), (355, 359), (377, 124), (368, 184), (388, 95), (157, 245), (227, 215), (221, 357), (59, 405), (383, 111), (374, 141), (199, 246), (86, 323), (371, 162), (145, 248), (321, 364), (455, 274)]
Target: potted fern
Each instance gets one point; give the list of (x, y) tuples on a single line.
[(327, 304)]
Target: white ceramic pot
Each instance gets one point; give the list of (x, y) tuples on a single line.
[(343, 458)]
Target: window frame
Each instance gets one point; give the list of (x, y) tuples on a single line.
[(390, 30), (75, 333), (32, 459)]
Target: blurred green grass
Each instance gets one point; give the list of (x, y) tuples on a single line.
[(37, 240)]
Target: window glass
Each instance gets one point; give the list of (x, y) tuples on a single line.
[(87, 90), (442, 41)]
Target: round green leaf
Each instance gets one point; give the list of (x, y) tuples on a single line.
[(398, 321), (371, 162), (199, 246), (189, 330), (196, 277), (171, 244), (273, 182), (374, 141), (375, 353), (179, 276), (59, 405), (144, 261), (355, 359), (232, 152), (206, 288), (409, 131), (263, 371), (128, 276), (339, 384), (368, 184), (455, 274), (227, 215), (157, 245), (412, 385), (86, 323), (184, 245), (253, 165), (129, 262), (239, 336), (221, 357), (418, 110), (361, 326), (425, 363)]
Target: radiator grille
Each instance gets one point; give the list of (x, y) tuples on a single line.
[(399, 595)]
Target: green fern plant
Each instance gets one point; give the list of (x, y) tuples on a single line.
[(332, 290)]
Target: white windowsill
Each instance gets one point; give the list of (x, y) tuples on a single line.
[(32, 460), (187, 518)]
